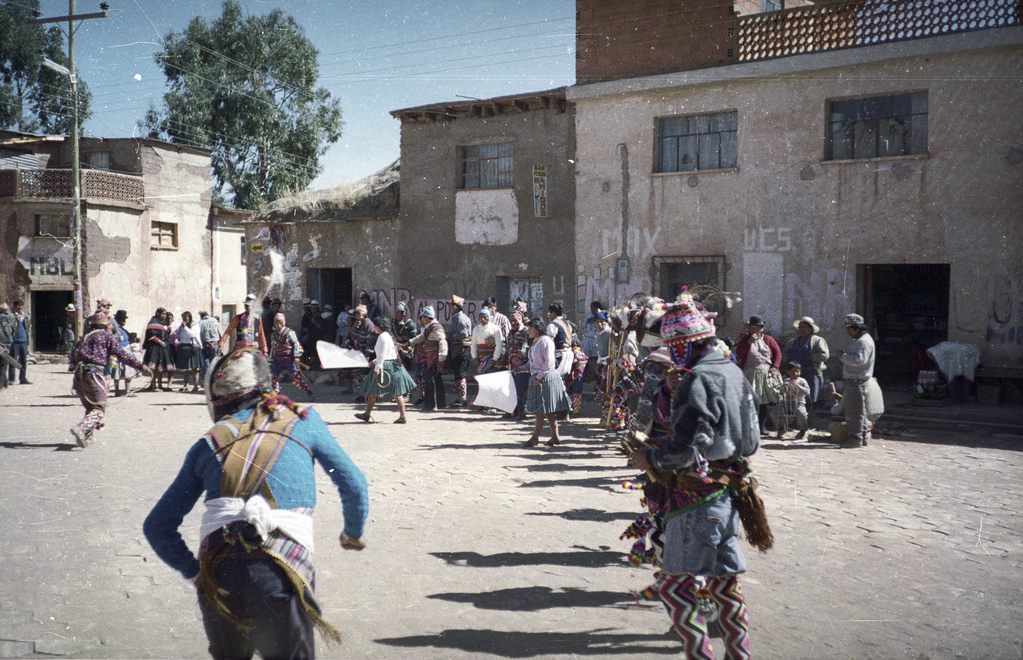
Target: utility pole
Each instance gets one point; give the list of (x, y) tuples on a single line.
[(76, 179)]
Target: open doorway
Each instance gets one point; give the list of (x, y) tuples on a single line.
[(330, 286), (48, 314), (908, 306)]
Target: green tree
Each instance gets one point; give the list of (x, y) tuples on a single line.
[(245, 87), (34, 98)]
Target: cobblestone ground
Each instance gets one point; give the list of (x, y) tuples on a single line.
[(480, 547)]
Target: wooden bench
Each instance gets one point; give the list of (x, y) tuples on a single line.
[(997, 385)]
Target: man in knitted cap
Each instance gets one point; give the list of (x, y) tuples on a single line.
[(429, 352), (714, 427), (90, 360), (857, 370), (254, 572)]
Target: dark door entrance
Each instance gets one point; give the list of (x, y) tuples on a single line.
[(908, 305), (48, 318), (331, 286)]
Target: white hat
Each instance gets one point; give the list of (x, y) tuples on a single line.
[(250, 297), (314, 302), (809, 321), (69, 308)]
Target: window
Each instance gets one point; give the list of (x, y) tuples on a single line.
[(50, 224), (99, 160), (672, 273), (877, 127), (486, 166), (164, 236), (772, 5), (696, 142)]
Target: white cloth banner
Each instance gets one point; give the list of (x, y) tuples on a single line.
[(955, 359), (497, 390), (335, 357)]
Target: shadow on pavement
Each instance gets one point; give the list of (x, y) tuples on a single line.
[(533, 599), (784, 446), (582, 558), (592, 515), (560, 455), (612, 484), (38, 405), (566, 467), (490, 445), (507, 644), (57, 446)]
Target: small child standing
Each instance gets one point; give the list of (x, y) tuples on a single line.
[(794, 393)]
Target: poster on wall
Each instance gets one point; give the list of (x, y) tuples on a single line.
[(540, 191)]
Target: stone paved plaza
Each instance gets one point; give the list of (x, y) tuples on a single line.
[(478, 547)]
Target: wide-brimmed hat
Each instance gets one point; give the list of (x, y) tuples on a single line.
[(756, 320), (305, 302), (361, 309), (427, 312), (69, 308), (854, 321), (402, 307), (249, 298), (457, 300), (314, 302), (123, 314), (809, 321)]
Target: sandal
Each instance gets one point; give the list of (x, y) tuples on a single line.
[(400, 420), (532, 442), (365, 417)]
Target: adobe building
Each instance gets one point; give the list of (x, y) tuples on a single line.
[(815, 159), (488, 201), (146, 240)]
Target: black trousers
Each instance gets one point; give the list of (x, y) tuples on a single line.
[(521, 387), (433, 389), (260, 594), (19, 351)]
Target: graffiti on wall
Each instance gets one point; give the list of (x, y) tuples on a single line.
[(768, 239), (996, 316), (47, 261), (601, 284), (825, 295), (387, 299)]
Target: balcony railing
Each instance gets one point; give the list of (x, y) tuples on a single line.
[(54, 183), (866, 23)]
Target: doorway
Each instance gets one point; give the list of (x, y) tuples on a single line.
[(48, 318), (330, 286), (908, 305)]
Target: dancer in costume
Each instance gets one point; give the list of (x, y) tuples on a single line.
[(459, 340), (546, 396), (157, 346), (245, 330), (430, 351), (285, 353), (254, 572), (714, 429), (91, 359), (575, 378), (389, 376)]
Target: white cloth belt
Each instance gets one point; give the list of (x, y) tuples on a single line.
[(257, 512)]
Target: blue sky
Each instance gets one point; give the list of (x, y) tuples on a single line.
[(374, 56)]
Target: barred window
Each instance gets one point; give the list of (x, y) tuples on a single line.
[(486, 166), (51, 224), (877, 127), (164, 236), (696, 142)]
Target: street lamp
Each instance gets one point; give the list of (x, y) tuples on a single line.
[(76, 189)]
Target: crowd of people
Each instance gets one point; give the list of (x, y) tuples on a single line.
[(692, 408)]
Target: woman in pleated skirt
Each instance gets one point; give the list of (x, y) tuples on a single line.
[(546, 396), (389, 376)]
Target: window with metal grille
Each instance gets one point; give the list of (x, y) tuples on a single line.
[(486, 166), (98, 160), (878, 126), (164, 236), (697, 142)]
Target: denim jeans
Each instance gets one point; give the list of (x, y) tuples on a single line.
[(19, 351), (704, 541)]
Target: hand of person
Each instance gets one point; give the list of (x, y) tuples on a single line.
[(640, 460), (349, 543)]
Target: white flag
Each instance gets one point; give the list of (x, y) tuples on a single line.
[(497, 390), (335, 357)]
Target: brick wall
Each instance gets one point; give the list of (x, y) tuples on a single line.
[(616, 39)]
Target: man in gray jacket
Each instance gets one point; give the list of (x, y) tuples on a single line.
[(857, 370), (7, 327)]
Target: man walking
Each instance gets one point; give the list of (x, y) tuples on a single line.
[(19, 347), (714, 427), (857, 370), (209, 336), (254, 571)]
